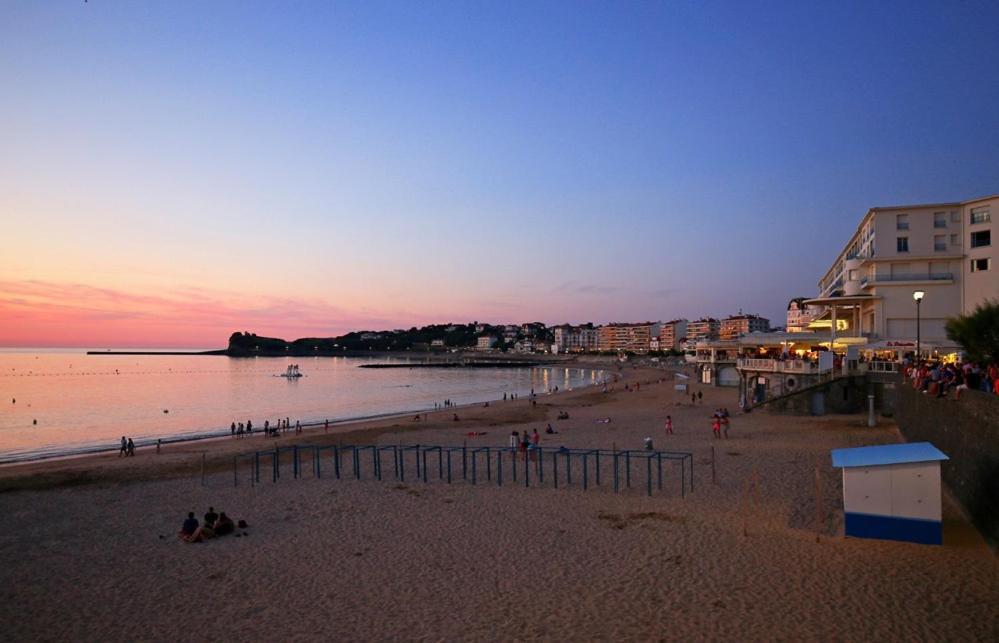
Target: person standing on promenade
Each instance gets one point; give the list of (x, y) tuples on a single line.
[(124, 447), (669, 425)]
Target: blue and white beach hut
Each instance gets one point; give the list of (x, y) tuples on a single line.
[(892, 491)]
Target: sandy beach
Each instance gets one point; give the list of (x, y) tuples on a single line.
[(90, 551)]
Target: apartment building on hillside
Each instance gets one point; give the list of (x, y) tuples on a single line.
[(943, 250)]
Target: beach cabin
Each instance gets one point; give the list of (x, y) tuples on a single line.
[(892, 491)]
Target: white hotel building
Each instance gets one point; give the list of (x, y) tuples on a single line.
[(945, 250)]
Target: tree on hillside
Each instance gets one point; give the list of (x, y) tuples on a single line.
[(978, 333)]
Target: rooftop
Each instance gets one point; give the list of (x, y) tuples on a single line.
[(887, 454)]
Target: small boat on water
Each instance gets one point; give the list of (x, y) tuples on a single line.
[(292, 372)]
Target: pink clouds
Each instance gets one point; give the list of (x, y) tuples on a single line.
[(46, 313)]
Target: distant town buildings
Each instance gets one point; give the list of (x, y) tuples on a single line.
[(737, 325), (485, 343)]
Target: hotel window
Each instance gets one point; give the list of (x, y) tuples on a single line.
[(939, 242), (954, 240), (955, 216), (901, 221), (939, 219), (980, 265), (981, 238), (980, 215), (902, 244)]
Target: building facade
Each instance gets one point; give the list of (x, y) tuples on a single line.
[(944, 250), (671, 333), (704, 328), (635, 338), (738, 325), (576, 339), (799, 316)]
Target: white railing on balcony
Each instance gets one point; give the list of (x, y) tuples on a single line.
[(797, 366)]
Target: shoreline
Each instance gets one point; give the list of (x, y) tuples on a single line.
[(210, 436)]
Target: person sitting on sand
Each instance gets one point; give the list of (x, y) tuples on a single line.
[(416, 418), (549, 430), (189, 529), (224, 525), (455, 418), (211, 516)]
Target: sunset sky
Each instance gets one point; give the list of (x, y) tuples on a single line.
[(173, 171)]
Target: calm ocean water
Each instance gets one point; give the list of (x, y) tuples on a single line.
[(85, 403)]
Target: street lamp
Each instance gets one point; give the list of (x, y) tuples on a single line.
[(918, 296)]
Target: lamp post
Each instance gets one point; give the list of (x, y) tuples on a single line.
[(918, 296)]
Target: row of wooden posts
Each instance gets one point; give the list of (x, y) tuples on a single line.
[(475, 461)]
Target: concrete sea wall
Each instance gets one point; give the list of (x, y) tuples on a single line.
[(968, 432)]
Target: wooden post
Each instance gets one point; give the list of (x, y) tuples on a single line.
[(713, 480), (745, 508), (818, 504), (756, 489), (204, 456)]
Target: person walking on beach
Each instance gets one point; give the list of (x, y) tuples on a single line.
[(536, 438), (232, 429), (699, 396), (131, 447), (693, 399), (716, 425), (669, 425), (249, 427), (724, 421), (124, 447), (298, 426)]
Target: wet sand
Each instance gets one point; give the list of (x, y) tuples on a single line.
[(89, 550)]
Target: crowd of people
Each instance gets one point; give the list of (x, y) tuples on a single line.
[(939, 379)]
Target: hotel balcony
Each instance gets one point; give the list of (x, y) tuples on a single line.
[(911, 278)]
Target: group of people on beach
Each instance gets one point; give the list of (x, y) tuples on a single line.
[(239, 430), (720, 422), (216, 524), (127, 447), (523, 442)]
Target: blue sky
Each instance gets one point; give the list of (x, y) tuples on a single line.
[(405, 162)]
